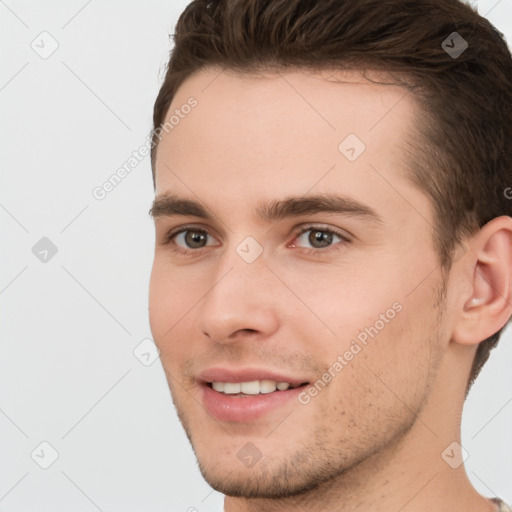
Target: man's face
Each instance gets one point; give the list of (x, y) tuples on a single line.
[(347, 306)]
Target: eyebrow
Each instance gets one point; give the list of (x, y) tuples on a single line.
[(167, 205)]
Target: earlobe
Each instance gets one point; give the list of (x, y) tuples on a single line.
[(489, 305)]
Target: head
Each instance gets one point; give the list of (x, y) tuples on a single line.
[(357, 119)]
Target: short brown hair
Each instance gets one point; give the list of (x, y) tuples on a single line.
[(461, 152)]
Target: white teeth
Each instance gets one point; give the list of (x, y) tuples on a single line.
[(268, 386), (218, 386), (253, 387), (231, 388), (250, 388)]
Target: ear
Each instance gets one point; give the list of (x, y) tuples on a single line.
[(486, 304)]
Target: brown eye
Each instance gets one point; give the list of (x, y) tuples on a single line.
[(190, 239), (320, 239)]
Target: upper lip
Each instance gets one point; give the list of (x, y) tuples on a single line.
[(218, 374)]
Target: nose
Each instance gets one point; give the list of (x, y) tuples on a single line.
[(241, 303)]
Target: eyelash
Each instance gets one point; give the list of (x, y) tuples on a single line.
[(173, 233)]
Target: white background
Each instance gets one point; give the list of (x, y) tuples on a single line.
[(69, 326)]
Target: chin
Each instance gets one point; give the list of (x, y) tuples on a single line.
[(268, 479), (260, 485)]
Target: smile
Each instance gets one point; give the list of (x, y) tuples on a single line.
[(254, 387)]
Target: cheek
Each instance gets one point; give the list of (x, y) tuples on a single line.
[(402, 356), (172, 293), (379, 327), (345, 299), (174, 296), (379, 384), (160, 302)]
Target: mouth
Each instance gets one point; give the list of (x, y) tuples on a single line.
[(242, 397)]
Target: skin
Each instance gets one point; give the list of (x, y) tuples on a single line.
[(373, 437)]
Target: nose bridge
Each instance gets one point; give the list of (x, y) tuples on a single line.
[(240, 266), (238, 298)]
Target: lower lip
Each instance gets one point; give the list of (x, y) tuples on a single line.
[(243, 409)]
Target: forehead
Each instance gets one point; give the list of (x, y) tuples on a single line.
[(286, 133)]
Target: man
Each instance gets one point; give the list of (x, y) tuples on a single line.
[(333, 255)]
